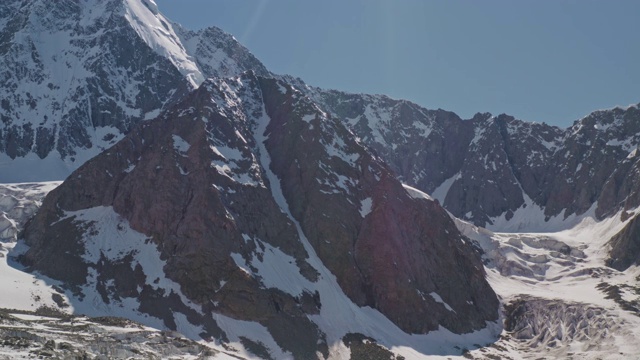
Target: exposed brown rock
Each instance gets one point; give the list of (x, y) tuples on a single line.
[(625, 246)]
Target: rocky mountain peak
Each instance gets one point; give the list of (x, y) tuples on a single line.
[(159, 34), (480, 117), (79, 75)]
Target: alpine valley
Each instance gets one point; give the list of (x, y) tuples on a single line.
[(164, 195)]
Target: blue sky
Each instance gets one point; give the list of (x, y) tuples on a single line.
[(548, 60)]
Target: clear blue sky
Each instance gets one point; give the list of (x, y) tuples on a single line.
[(547, 60)]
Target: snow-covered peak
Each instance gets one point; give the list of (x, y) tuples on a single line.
[(157, 31)]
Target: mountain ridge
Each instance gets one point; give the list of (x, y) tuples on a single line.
[(432, 150), (493, 166)]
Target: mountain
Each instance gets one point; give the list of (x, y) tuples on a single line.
[(490, 169), (246, 201), (78, 75), (266, 218), (128, 62)]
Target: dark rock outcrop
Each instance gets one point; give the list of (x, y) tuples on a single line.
[(365, 348), (625, 246)]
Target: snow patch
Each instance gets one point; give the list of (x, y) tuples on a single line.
[(415, 193), (130, 168), (279, 270), (365, 207), (152, 114), (180, 145), (438, 299), (339, 149), (425, 130), (227, 153), (440, 193), (530, 217)]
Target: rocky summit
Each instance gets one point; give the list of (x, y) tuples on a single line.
[(246, 201)]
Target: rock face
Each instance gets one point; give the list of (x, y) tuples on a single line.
[(78, 75), (625, 246), (244, 201)]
